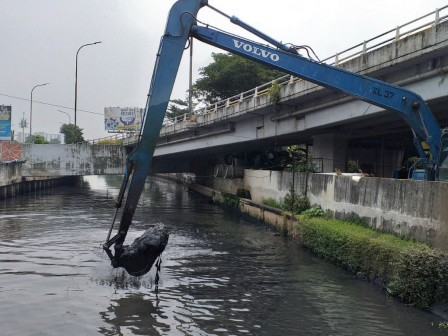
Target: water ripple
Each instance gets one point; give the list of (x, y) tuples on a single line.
[(220, 274)]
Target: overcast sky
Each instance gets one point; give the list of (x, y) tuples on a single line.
[(39, 40)]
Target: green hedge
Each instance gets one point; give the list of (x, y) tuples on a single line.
[(412, 271)]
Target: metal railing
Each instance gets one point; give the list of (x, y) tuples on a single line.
[(417, 25), (116, 139)]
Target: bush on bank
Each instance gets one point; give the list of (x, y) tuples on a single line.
[(411, 271)]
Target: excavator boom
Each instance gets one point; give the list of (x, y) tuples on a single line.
[(182, 25)]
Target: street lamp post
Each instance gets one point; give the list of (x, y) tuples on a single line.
[(68, 115), (76, 79), (31, 107)]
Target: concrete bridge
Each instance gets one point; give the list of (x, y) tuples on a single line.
[(336, 127)]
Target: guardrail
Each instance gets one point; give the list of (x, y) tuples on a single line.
[(116, 139), (393, 35)]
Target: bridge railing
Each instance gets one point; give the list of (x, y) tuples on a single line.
[(412, 27), (115, 139)]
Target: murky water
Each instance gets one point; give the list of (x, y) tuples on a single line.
[(220, 274)]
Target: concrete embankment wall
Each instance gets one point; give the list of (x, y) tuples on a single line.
[(71, 160), (10, 173), (273, 216), (411, 209), (12, 183)]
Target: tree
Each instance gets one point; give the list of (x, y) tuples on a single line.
[(30, 139), (229, 75), (40, 140), (35, 139), (178, 107), (69, 132)]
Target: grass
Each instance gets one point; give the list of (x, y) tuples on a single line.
[(273, 203)]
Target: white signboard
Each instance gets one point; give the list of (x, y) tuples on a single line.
[(122, 118)]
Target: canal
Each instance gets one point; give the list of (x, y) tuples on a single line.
[(221, 275)]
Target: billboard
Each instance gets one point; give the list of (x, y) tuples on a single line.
[(118, 119), (5, 122)]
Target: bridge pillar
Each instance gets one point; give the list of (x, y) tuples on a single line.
[(331, 149)]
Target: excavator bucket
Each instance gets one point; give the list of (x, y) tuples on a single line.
[(138, 258)]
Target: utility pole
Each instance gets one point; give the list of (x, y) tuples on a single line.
[(31, 106), (190, 82), (23, 125), (76, 80)]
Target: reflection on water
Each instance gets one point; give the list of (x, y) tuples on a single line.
[(220, 274)]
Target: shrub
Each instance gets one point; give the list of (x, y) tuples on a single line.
[(243, 193), (303, 167), (231, 200), (274, 95), (412, 271), (273, 203), (352, 166), (357, 220), (295, 203), (421, 276), (313, 212)]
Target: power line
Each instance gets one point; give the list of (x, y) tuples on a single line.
[(49, 104)]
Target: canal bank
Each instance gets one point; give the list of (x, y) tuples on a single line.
[(414, 210), (411, 271), (12, 183)]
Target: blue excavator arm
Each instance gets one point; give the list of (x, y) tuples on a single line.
[(182, 25), (181, 18)]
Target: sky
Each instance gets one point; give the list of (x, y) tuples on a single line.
[(39, 40)]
